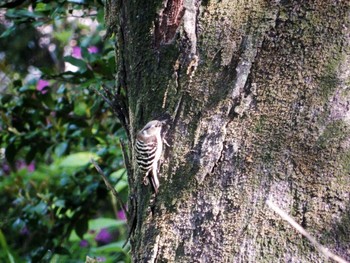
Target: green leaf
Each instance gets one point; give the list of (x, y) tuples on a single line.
[(40, 208), (74, 237), (76, 62), (121, 185), (61, 148), (47, 99), (5, 118), (60, 203), (119, 173), (80, 108), (3, 244), (78, 159), (63, 36), (97, 224), (112, 247), (42, 7), (122, 177), (26, 88), (18, 224), (61, 89), (8, 32), (21, 13)]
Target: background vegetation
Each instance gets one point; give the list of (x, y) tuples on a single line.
[(54, 207)]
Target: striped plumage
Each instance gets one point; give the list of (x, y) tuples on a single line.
[(148, 149)]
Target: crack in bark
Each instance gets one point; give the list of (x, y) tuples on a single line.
[(168, 21), (176, 114), (210, 145), (218, 161), (211, 140), (243, 70), (177, 111), (241, 92), (241, 95), (244, 66), (216, 164)]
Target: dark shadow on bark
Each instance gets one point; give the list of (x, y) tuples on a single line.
[(339, 236)]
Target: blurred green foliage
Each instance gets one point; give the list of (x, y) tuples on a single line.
[(54, 206)]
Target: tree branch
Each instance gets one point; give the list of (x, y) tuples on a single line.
[(118, 107), (109, 186), (325, 251), (126, 157)]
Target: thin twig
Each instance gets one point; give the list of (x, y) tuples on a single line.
[(104, 98), (301, 230), (108, 92), (120, 103), (126, 157), (109, 186), (118, 107), (131, 229)]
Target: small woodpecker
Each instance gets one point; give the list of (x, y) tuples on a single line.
[(149, 147)]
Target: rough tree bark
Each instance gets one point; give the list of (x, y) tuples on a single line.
[(258, 92)]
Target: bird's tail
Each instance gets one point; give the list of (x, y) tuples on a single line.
[(155, 183)]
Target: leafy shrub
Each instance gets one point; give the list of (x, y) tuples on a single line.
[(54, 205)]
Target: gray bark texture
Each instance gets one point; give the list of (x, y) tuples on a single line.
[(258, 92)]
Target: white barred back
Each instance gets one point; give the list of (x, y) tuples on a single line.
[(146, 153)]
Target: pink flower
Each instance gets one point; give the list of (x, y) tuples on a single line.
[(76, 52), (22, 165), (41, 85), (6, 168), (93, 49), (84, 243), (103, 237), (121, 215), (31, 167)]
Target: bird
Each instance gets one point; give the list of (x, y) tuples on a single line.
[(149, 147)]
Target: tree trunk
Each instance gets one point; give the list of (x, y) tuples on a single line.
[(258, 92)]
